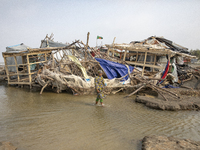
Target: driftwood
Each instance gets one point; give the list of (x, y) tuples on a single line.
[(155, 89), (187, 87), (136, 90), (149, 84), (117, 91), (44, 86)]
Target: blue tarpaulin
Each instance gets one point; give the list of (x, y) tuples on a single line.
[(113, 69)]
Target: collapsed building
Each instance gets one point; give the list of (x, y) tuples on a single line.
[(72, 67)]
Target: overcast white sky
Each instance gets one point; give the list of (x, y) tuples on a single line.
[(28, 21)]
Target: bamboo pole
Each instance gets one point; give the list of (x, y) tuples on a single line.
[(154, 63), (113, 47), (6, 67), (108, 51), (87, 49), (52, 61), (136, 57), (45, 86), (88, 34), (45, 57), (16, 68), (159, 92), (136, 90), (23, 62), (124, 55), (29, 70), (144, 63)]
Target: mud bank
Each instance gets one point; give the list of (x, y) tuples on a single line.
[(7, 146), (168, 143), (189, 101), (159, 104)]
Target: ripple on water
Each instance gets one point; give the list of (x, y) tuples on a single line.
[(52, 121)]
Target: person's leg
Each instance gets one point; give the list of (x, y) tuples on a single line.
[(101, 101), (97, 100)]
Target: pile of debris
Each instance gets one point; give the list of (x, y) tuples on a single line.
[(150, 64)]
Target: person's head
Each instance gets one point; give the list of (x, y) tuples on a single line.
[(100, 73)]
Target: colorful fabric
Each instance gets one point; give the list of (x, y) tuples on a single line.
[(165, 72), (99, 85), (77, 62), (99, 37)]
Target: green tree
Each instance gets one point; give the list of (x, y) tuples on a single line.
[(195, 53)]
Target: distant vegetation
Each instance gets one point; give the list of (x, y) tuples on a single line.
[(195, 53)]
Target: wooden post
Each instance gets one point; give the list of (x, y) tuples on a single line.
[(125, 55), (144, 63), (108, 51), (169, 56), (6, 67), (154, 62), (88, 34), (52, 61), (23, 62), (113, 41), (113, 47), (17, 69), (45, 56), (136, 57), (29, 70)]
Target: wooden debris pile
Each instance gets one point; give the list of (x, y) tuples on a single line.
[(72, 67), (149, 82)]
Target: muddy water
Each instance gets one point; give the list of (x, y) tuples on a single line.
[(62, 121)]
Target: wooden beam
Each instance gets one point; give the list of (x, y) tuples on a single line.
[(136, 57), (146, 65), (14, 74), (29, 70), (88, 34), (23, 62), (19, 83), (113, 54), (154, 62), (16, 68), (145, 57), (125, 56), (7, 72), (108, 51), (87, 49), (45, 57), (52, 61), (5, 54)]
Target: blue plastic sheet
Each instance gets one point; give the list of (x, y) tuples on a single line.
[(113, 69), (169, 86)]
